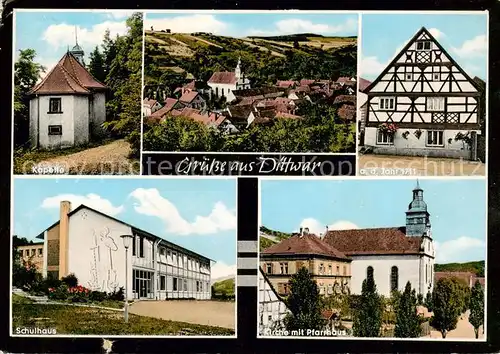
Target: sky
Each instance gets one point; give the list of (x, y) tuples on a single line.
[(257, 24), (457, 209), (50, 33), (198, 214), (464, 37)]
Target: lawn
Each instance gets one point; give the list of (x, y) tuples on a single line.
[(88, 320)]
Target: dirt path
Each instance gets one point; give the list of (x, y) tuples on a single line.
[(210, 313), (110, 158), (386, 165), (464, 330)]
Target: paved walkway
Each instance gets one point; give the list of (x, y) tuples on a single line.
[(111, 158), (210, 313)]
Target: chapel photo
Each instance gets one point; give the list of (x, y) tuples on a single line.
[(359, 264), (77, 92)]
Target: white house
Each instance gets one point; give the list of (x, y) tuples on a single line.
[(222, 84), (149, 106), (68, 107), (391, 255), (432, 102), (87, 243), (272, 309)]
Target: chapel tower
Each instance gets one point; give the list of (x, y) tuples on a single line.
[(417, 217), (77, 51)]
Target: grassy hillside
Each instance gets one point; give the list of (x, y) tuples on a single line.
[(265, 243), (280, 235), (476, 267), (224, 288), (264, 59)]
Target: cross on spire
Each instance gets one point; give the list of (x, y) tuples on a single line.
[(76, 35)]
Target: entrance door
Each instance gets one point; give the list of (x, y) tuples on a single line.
[(143, 288)]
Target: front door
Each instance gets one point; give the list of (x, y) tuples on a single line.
[(143, 288)]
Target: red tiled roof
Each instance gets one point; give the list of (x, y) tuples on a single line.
[(188, 96), (285, 83), (467, 277), (219, 120), (303, 88), (363, 84), (328, 314), (67, 76), (344, 79), (194, 114), (223, 77), (345, 99), (287, 115), (169, 104), (150, 102), (306, 82), (387, 240), (307, 244)]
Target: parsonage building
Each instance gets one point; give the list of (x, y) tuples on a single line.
[(87, 243)]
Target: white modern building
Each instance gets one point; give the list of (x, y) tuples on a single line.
[(392, 256), (67, 107), (223, 84), (432, 104), (272, 309), (88, 243)]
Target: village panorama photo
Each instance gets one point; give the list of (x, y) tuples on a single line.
[(356, 263), (77, 89), (422, 94), (250, 82)]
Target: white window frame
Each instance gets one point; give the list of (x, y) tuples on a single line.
[(387, 139), (435, 137), (435, 104), (387, 103)]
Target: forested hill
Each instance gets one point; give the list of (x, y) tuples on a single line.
[(176, 57), (476, 267), (278, 234)]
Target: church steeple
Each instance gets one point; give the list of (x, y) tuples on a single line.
[(237, 70), (77, 51), (417, 217)]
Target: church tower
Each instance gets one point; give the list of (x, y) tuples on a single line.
[(237, 71), (417, 217), (77, 51)]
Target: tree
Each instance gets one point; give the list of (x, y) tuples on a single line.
[(96, 65), (368, 317), (447, 305), (476, 316), (124, 80), (407, 320), (304, 303), (26, 74), (428, 302)]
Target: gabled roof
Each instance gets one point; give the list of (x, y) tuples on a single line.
[(308, 244), (266, 91), (363, 84), (240, 111), (67, 77), (405, 48), (386, 240), (223, 77), (188, 96), (134, 229), (150, 102)]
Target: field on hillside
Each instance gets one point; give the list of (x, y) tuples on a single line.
[(264, 59)]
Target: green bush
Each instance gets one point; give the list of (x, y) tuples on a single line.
[(117, 295), (59, 293), (70, 280), (78, 294), (98, 296)]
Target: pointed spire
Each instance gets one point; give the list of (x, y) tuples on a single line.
[(76, 35)]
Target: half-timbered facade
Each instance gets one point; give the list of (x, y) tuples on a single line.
[(429, 104)]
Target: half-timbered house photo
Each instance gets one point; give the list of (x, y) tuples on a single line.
[(429, 99)]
